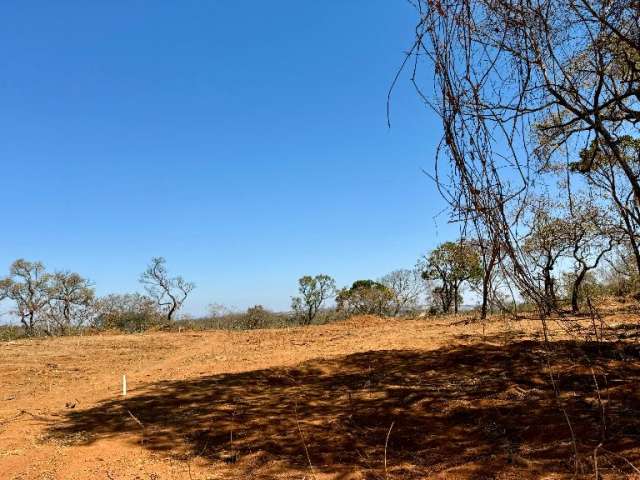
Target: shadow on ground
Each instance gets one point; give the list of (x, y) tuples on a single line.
[(472, 411)]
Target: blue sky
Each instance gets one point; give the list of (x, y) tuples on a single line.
[(246, 142)]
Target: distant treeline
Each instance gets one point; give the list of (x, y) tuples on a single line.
[(63, 303)]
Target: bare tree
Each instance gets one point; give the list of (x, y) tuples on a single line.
[(408, 288), (217, 310), (169, 293)]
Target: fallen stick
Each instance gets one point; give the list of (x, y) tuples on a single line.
[(135, 419)]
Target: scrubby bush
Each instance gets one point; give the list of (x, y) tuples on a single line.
[(131, 312), (365, 297), (256, 317), (591, 287), (222, 318), (621, 278), (11, 332)]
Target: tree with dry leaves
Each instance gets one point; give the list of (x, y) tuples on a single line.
[(518, 86)]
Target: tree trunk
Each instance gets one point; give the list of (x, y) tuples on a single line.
[(28, 325), (455, 299), (485, 300), (171, 312), (67, 317), (575, 290), (552, 292), (636, 251), (549, 291)]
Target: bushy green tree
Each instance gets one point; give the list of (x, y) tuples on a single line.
[(365, 297), (314, 291), (452, 264)]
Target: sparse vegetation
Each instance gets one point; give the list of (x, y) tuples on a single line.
[(314, 291), (131, 312), (71, 302), (452, 265), (509, 350), (365, 297), (169, 293), (28, 286), (409, 291)]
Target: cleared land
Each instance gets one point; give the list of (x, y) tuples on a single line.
[(439, 396)]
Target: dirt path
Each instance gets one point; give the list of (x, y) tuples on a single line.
[(272, 401)]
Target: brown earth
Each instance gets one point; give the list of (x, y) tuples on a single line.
[(366, 398)]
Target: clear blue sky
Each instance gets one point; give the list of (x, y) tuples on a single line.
[(246, 142)]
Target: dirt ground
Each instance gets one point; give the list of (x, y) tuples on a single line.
[(366, 398)]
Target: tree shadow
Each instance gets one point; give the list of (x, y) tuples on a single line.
[(479, 410)]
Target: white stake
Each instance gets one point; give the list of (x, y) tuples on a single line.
[(124, 385)]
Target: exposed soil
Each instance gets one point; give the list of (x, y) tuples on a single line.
[(366, 398)]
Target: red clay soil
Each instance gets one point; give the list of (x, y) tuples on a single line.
[(364, 399)]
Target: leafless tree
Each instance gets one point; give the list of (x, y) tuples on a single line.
[(408, 287), (169, 293), (219, 310)]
